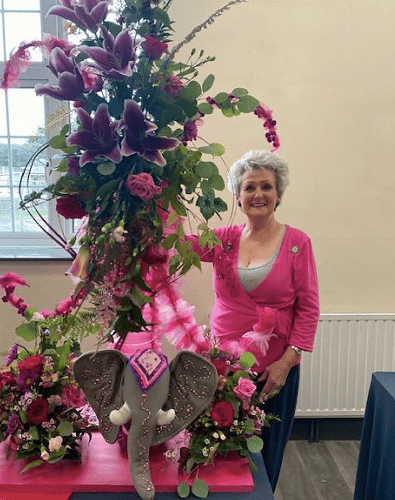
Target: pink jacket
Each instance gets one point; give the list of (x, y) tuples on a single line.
[(290, 287)]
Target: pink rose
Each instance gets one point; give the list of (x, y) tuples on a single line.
[(142, 185), (72, 396), (223, 413), (244, 390)]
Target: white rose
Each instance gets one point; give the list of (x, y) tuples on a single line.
[(55, 443)]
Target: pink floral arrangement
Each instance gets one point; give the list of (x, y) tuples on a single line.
[(233, 421)]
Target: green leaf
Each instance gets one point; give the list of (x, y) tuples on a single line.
[(65, 428), (247, 104), (33, 431), (106, 168), (220, 205), (28, 313), (169, 241), (254, 444), (33, 464), (204, 169), (139, 298), (191, 92), (214, 149), (65, 129), (189, 465), (238, 92), (161, 16), (58, 142), (208, 83), (64, 352), (183, 489), (205, 108), (200, 488), (27, 331), (221, 98), (247, 360), (217, 182)]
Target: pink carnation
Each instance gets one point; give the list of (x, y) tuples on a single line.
[(72, 396), (153, 47)]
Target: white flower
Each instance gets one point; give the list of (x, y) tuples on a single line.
[(37, 316), (55, 443), (222, 436), (215, 435), (206, 441), (117, 234), (45, 455)]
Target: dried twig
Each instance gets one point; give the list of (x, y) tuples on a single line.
[(204, 24)]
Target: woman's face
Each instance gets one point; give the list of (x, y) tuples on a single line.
[(258, 193)]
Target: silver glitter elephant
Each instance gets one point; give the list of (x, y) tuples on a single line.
[(160, 399)]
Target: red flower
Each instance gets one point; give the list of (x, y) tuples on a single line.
[(8, 280), (220, 366), (33, 363), (153, 47), (70, 208), (37, 411), (143, 186), (6, 378), (223, 414)]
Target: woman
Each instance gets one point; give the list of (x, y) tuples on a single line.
[(263, 263)]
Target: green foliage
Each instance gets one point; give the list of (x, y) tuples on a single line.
[(200, 488)]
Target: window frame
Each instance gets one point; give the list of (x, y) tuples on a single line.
[(36, 245)]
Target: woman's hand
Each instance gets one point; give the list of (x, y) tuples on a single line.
[(276, 374)]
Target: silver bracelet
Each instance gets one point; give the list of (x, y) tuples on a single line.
[(296, 349)]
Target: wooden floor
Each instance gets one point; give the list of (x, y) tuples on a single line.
[(318, 471)]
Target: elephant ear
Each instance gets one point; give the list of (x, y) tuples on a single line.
[(100, 376), (193, 381)]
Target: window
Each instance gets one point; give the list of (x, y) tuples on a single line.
[(23, 117)]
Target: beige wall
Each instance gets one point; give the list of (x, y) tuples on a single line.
[(327, 68)]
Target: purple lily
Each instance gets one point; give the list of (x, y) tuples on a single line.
[(97, 136), (139, 138), (87, 13), (117, 58), (70, 83)]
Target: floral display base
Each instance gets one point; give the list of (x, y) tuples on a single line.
[(105, 468)]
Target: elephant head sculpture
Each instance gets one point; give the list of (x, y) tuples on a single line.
[(160, 399)]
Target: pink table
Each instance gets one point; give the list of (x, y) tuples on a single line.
[(105, 469)]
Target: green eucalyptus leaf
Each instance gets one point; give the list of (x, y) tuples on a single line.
[(238, 92), (107, 168), (27, 331), (191, 92), (65, 129), (208, 83), (220, 205), (65, 428), (228, 111), (205, 108), (200, 488), (58, 142), (254, 444), (247, 360), (221, 98), (183, 490), (61, 166), (28, 313), (189, 465), (217, 182), (204, 169), (214, 149), (247, 103)]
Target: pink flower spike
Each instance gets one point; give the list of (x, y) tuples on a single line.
[(9, 279), (266, 319)]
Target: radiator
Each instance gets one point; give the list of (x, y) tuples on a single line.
[(335, 378)]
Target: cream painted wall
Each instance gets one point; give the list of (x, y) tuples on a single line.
[(327, 69)]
